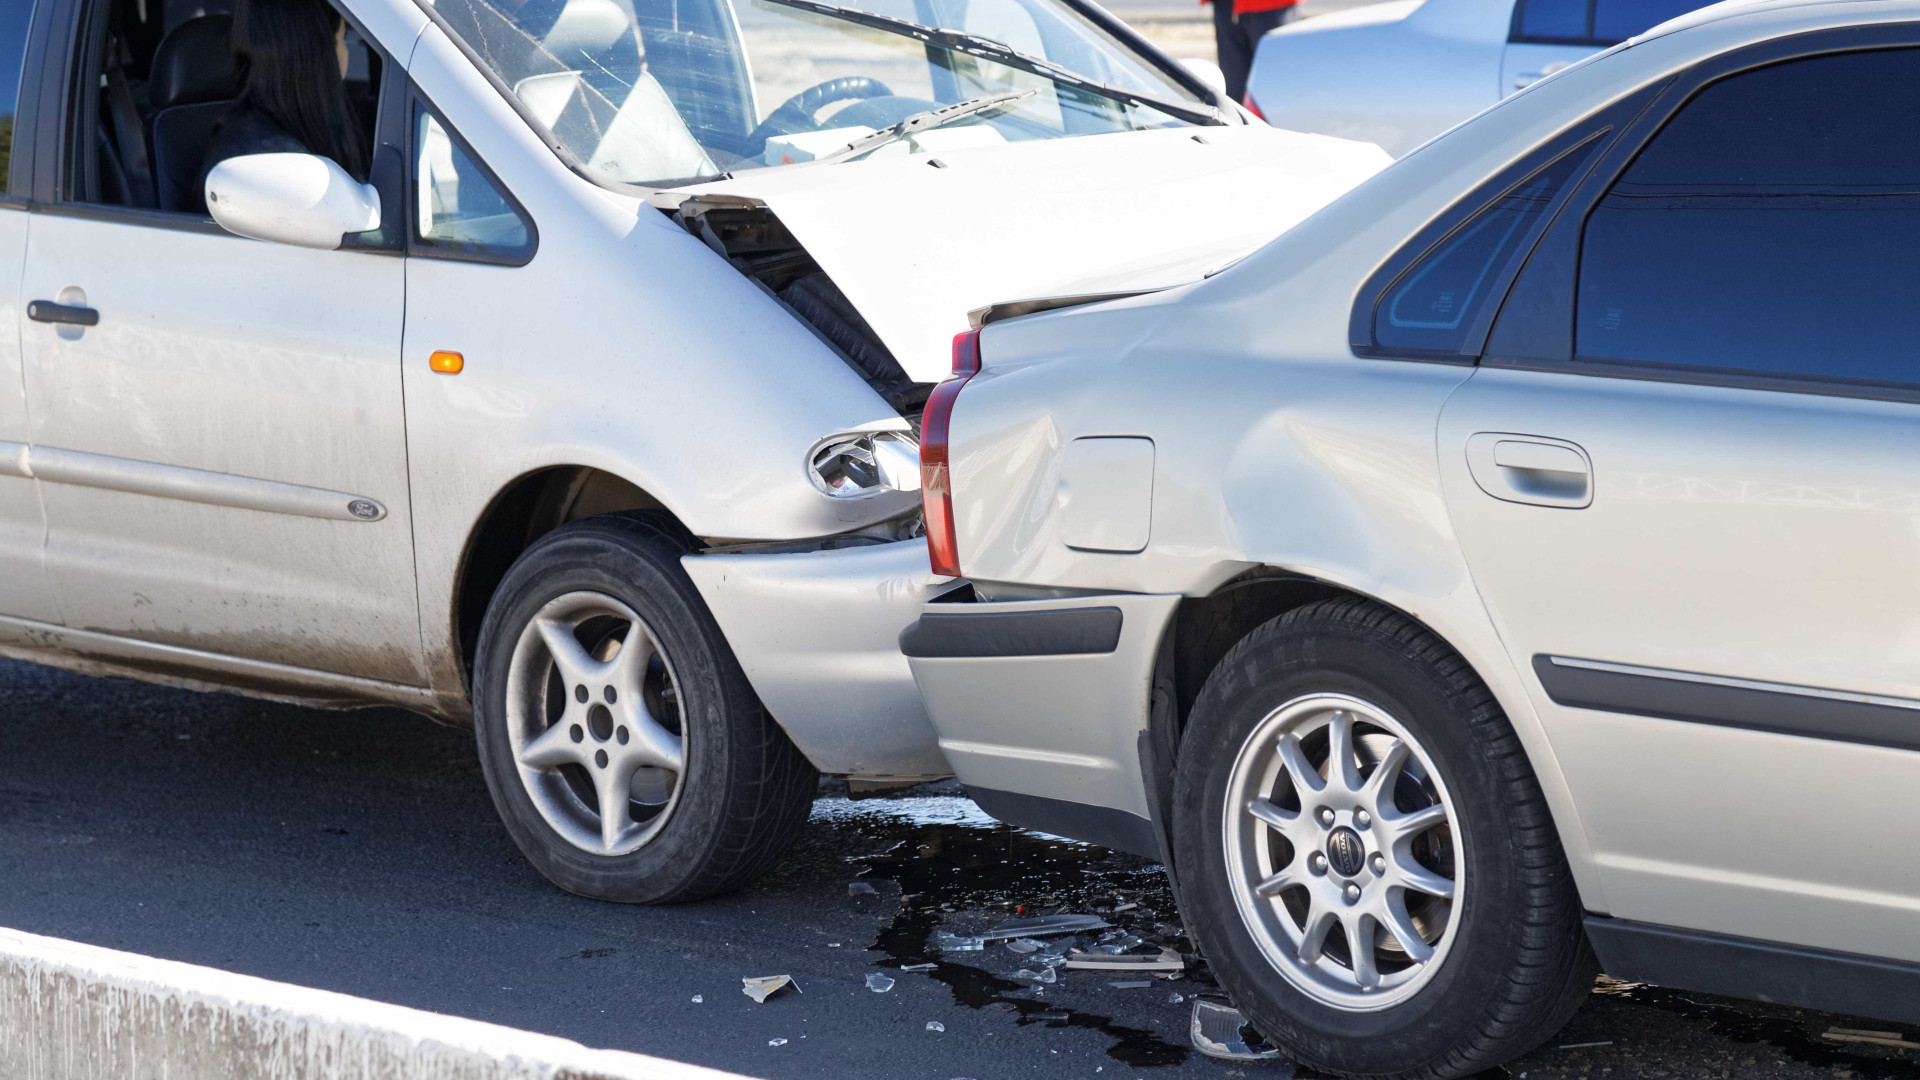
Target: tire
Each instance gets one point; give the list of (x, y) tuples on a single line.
[(554, 754), (1507, 962)]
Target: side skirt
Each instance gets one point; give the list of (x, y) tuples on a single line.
[(91, 653), (1756, 970)]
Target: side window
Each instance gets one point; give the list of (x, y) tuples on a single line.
[(1432, 307), (15, 17), (1769, 228), (459, 211), (1552, 21), (1593, 22)]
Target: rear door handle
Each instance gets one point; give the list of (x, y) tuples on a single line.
[(1531, 469), (71, 314)]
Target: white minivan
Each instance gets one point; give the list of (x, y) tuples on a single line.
[(590, 412)]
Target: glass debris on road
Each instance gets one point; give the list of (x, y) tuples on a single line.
[(919, 967), (859, 888), (697, 999), (935, 1025), (1045, 925), (1046, 974), (762, 987), (878, 983), (946, 942), (1024, 946), (1219, 1031), (776, 1042), (1130, 984), (1165, 960)]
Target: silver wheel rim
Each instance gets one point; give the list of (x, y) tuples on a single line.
[(594, 721), (1341, 852)]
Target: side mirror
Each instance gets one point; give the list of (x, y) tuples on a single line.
[(298, 199), (1208, 73)]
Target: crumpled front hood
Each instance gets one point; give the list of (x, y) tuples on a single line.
[(915, 246)]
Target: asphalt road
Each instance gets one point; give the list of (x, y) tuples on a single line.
[(357, 852)]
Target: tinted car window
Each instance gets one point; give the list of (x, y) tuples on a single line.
[(1554, 20), (1432, 307), (15, 17), (1618, 20), (1773, 226), (457, 208)]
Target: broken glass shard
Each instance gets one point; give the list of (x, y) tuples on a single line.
[(1130, 984), (1219, 1031), (878, 983), (935, 1025), (859, 888), (1044, 975), (1045, 924), (1167, 960), (919, 967), (776, 1042), (762, 987), (1023, 945), (697, 999), (946, 942)]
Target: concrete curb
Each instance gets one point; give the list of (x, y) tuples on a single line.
[(76, 1012)]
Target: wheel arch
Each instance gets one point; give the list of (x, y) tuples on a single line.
[(525, 509)]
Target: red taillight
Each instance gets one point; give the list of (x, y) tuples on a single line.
[(936, 488), (1252, 105)]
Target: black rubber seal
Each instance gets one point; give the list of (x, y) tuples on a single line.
[(1072, 632)]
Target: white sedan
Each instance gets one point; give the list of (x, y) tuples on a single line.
[(1400, 72), (1508, 573)]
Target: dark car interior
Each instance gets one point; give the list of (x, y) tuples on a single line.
[(166, 74)]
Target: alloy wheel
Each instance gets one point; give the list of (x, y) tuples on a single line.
[(1342, 860), (595, 723)]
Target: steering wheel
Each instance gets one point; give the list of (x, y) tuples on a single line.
[(796, 114)]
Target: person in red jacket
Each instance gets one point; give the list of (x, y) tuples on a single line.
[(1237, 28)]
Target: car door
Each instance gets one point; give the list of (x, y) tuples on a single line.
[(217, 427), (1686, 477), (24, 593)]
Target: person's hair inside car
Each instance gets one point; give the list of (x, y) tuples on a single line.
[(294, 56)]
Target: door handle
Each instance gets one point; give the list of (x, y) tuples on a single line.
[(48, 311), (1531, 469)]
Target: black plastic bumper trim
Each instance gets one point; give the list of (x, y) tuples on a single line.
[(1072, 632), (1806, 713), (1076, 821), (1757, 970)]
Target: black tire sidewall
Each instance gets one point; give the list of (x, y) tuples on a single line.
[(1324, 656), (642, 571)]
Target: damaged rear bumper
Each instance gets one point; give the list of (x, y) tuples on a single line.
[(818, 635)]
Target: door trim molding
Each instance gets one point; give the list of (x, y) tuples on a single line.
[(81, 469), (1724, 701)]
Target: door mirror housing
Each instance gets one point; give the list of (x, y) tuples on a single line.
[(299, 199)]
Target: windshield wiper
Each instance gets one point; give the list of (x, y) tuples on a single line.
[(922, 121), (989, 49)]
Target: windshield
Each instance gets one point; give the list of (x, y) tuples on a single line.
[(664, 92)]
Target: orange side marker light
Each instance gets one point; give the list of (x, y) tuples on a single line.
[(447, 363)]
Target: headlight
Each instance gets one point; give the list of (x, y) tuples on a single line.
[(852, 466)]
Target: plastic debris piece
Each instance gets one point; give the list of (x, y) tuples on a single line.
[(1219, 1031), (1044, 975), (762, 987), (935, 1025), (1044, 925), (1130, 984), (697, 999), (1167, 960), (776, 1042), (919, 967), (859, 888), (1175, 998), (878, 983), (1023, 945)]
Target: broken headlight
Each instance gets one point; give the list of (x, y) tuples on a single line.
[(850, 466)]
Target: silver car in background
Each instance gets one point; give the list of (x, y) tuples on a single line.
[(1508, 574)]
